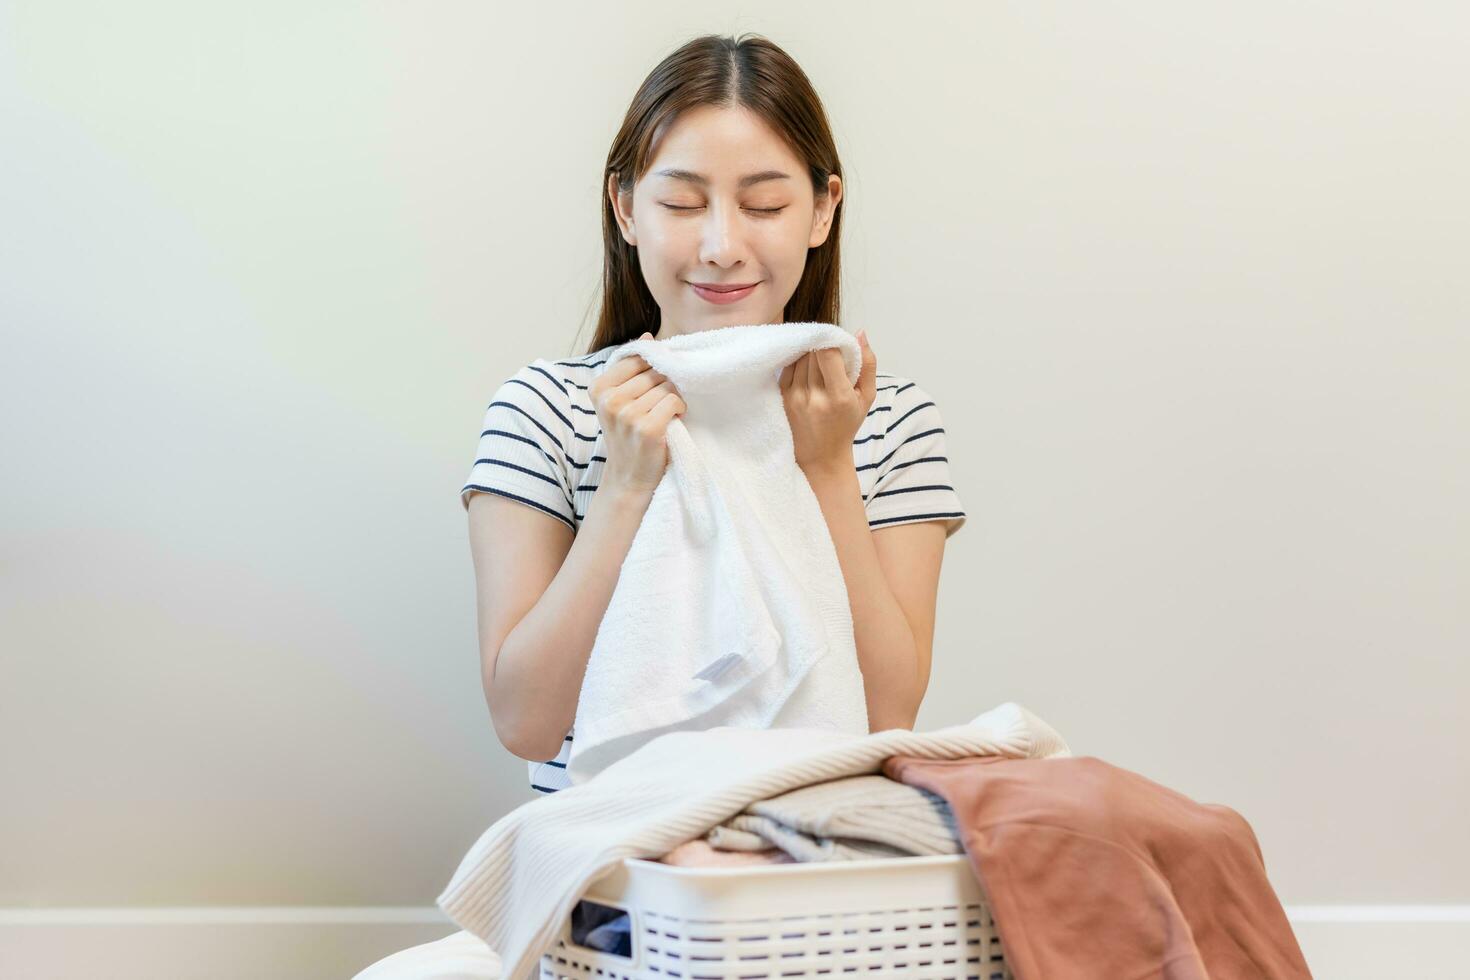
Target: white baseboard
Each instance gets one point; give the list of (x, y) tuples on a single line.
[(1384, 942), (1341, 942), (307, 943)]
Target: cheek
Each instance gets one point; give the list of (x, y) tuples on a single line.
[(787, 256), (666, 241)]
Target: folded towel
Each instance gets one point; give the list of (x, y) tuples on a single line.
[(697, 853), (730, 608), (517, 885), (851, 819)]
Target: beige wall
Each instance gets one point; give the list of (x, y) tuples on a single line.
[(1188, 285)]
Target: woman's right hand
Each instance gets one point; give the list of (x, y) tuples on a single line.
[(634, 403)]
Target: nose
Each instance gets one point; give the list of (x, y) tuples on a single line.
[(722, 241)]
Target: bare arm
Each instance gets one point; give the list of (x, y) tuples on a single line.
[(892, 573), (541, 594), (892, 579), (543, 589)]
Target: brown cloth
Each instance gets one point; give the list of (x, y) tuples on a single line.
[(1092, 871)]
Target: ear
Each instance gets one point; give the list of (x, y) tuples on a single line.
[(622, 206), (825, 211)]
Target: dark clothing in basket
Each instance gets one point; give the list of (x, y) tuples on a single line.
[(1093, 871)]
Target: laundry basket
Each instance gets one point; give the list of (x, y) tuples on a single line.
[(919, 917)]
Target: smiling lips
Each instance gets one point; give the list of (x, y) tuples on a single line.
[(723, 294)]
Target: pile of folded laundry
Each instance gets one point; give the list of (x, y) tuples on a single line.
[(848, 819), (851, 819), (1089, 870)]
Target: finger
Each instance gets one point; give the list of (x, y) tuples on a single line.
[(644, 381), (813, 370), (799, 372), (834, 370), (868, 376), (629, 366), (787, 373), (622, 369), (654, 396), (668, 407)]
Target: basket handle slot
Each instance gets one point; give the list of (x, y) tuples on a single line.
[(604, 928)]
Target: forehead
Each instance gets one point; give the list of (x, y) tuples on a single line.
[(721, 144)]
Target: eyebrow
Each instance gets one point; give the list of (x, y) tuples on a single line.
[(702, 180)]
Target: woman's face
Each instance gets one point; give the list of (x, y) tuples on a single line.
[(724, 202)]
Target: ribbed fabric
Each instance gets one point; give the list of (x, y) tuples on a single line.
[(844, 820), (518, 883)]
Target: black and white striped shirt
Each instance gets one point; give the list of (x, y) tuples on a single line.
[(541, 444)]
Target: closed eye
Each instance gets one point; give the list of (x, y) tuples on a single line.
[(675, 207)]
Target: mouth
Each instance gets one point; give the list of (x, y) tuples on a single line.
[(722, 295)]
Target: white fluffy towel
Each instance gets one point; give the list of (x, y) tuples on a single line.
[(730, 608)]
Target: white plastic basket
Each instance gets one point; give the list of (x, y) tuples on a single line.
[(920, 918)]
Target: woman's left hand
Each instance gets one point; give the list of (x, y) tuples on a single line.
[(824, 409)]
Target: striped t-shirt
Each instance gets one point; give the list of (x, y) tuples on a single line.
[(541, 444)]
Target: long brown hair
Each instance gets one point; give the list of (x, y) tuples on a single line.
[(750, 72)]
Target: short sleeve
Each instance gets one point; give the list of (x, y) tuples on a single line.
[(913, 480), (522, 452), (551, 775)]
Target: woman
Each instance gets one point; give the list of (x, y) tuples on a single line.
[(722, 208)]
